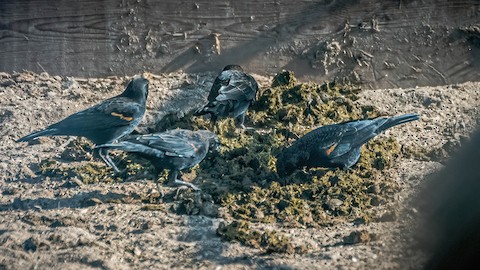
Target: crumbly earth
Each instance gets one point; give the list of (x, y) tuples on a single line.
[(61, 209)]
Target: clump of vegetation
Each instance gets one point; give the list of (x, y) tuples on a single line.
[(241, 176), (297, 108), (305, 198), (93, 172)]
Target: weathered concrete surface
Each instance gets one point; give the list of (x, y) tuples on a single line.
[(378, 44)]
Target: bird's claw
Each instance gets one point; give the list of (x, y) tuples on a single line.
[(247, 130), (119, 173)]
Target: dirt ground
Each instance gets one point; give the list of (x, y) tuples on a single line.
[(47, 223)]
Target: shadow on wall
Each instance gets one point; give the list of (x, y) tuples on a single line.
[(449, 205), (240, 54)]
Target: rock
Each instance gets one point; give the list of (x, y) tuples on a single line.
[(334, 204), (30, 245), (357, 237)]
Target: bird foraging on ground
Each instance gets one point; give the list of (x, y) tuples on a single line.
[(175, 150), (231, 94), (104, 122), (335, 145)]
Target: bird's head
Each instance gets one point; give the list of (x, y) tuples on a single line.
[(211, 138), (233, 67), (137, 89), (285, 165)]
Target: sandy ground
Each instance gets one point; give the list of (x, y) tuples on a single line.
[(48, 223)]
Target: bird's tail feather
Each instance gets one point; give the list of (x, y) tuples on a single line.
[(46, 132), (397, 120)]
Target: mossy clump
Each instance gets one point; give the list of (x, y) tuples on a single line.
[(269, 241), (304, 199), (193, 203), (94, 172), (241, 176), (79, 149), (284, 78), (295, 108), (88, 173)]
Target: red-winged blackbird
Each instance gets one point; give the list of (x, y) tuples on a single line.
[(175, 150), (335, 145), (104, 122), (231, 94)]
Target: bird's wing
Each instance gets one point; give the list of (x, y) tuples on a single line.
[(355, 134), (253, 85), (121, 110), (328, 140), (240, 87), (171, 144), (217, 84), (111, 113), (221, 80)]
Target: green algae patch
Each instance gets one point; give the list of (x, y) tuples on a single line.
[(239, 181), (270, 241), (321, 196), (241, 176), (297, 107)]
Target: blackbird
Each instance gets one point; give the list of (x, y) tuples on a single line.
[(104, 122), (335, 145), (231, 94), (174, 150)]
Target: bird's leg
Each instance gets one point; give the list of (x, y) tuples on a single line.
[(160, 189), (214, 126), (173, 180), (103, 152), (213, 121), (240, 120)]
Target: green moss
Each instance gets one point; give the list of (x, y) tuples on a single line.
[(52, 168), (94, 172), (304, 198), (241, 176), (303, 105), (79, 149)]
